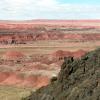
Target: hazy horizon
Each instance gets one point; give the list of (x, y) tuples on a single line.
[(49, 9)]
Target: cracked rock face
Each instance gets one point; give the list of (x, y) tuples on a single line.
[(79, 79)]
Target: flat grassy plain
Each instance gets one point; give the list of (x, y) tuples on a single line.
[(49, 46), (13, 93)]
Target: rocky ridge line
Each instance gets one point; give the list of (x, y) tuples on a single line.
[(79, 79)]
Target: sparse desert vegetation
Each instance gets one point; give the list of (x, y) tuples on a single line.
[(13, 93)]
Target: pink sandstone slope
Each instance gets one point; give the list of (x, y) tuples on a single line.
[(13, 55), (32, 74)]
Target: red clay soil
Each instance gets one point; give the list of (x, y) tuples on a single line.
[(25, 38), (17, 80), (62, 54), (24, 32), (13, 55), (37, 66), (11, 78), (38, 80), (3, 76), (79, 53)]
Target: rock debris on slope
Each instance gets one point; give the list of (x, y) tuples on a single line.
[(79, 79)]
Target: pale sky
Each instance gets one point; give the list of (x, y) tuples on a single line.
[(49, 9)]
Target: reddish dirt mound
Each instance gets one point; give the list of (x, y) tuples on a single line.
[(13, 79), (23, 38), (42, 81), (17, 78), (3, 76), (73, 36), (36, 81), (13, 55), (79, 53), (10, 78), (36, 66), (62, 54)]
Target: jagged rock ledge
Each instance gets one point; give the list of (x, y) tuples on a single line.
[(79, 79)]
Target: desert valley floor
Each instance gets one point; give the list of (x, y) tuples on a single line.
[(32, 52)]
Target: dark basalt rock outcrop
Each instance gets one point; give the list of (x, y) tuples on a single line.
[(79, 79)]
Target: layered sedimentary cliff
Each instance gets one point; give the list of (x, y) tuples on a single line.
[(27, 33)]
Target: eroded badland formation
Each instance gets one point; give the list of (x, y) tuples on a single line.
[(31, 52), (79, 79)]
